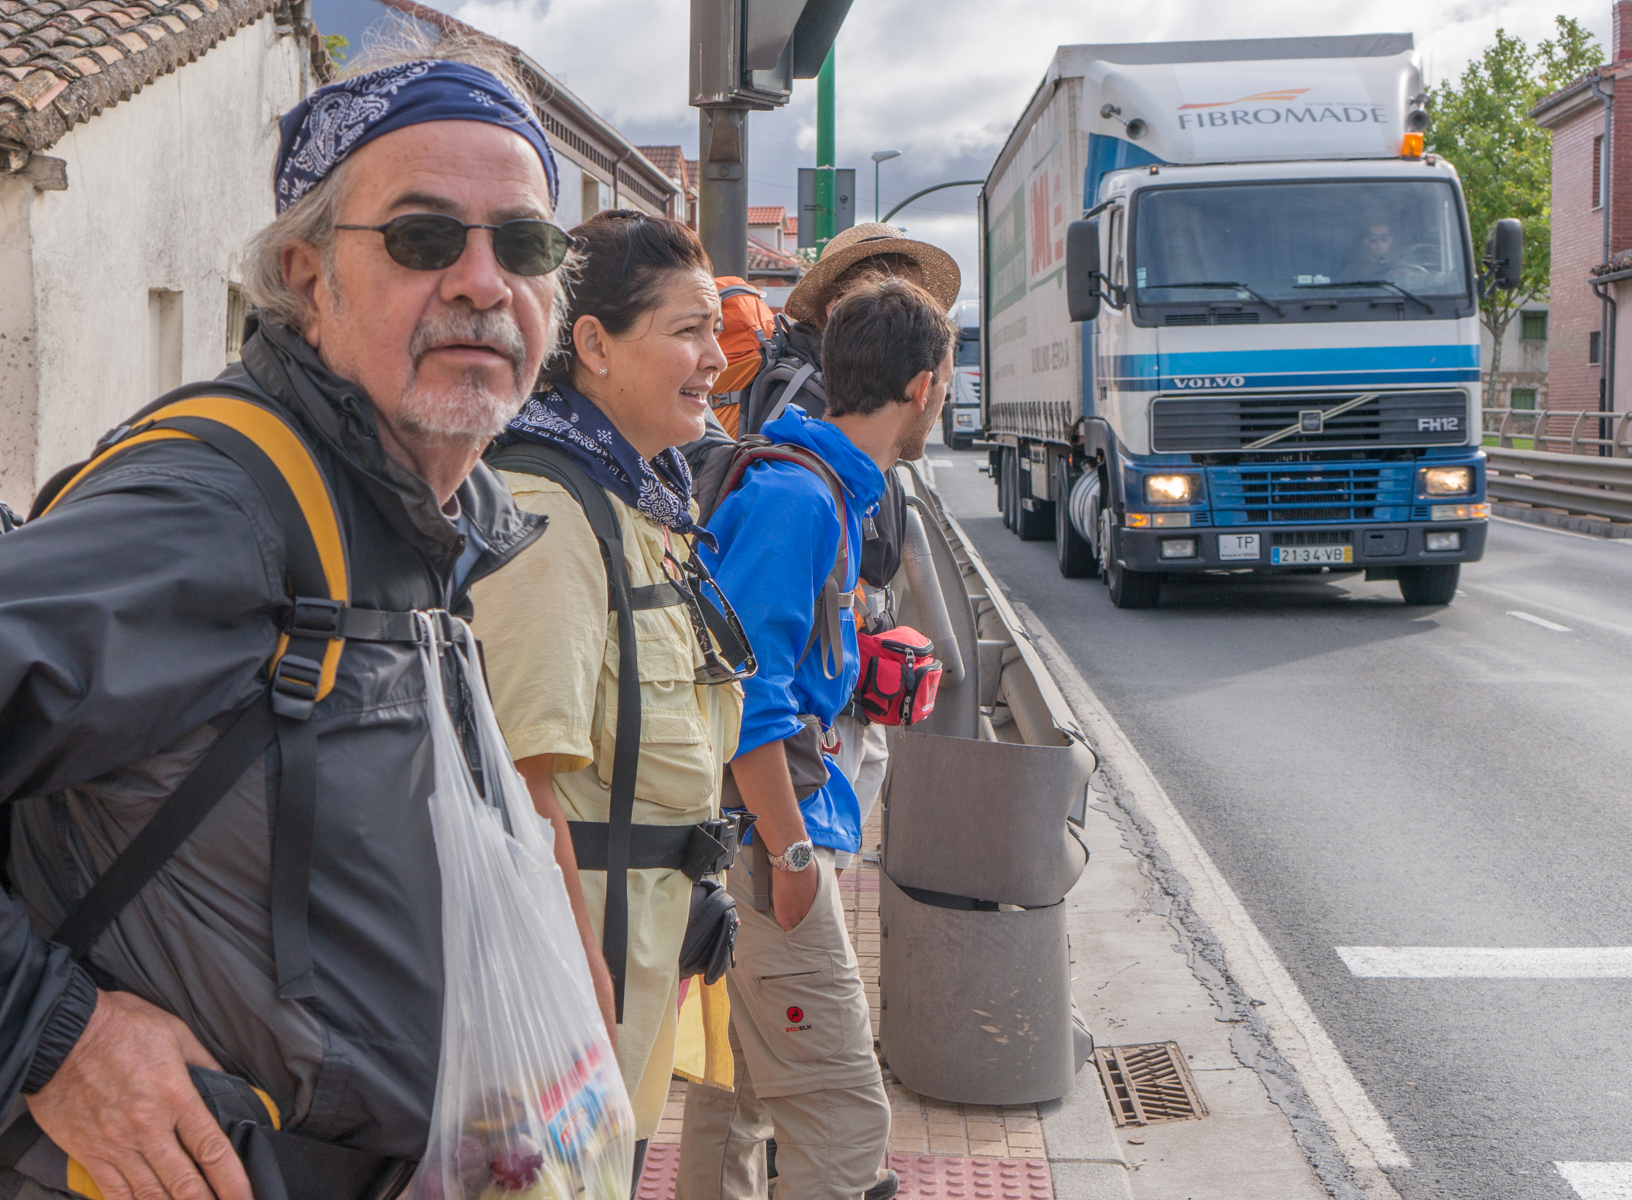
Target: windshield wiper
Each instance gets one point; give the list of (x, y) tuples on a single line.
[(1240, 287), (1382, 283)]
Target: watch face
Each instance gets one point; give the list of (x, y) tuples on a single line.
[(798, 856)]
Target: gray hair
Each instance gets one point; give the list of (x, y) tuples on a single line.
[(312, 218)]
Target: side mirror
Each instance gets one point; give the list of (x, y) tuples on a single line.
[(1504, 253), (1082, 272)]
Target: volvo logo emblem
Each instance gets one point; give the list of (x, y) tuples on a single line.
[(1311, 420)]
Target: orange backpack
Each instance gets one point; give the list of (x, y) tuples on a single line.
[(748, 319)]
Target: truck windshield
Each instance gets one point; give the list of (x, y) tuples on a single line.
[(1314, 245), (968, 353)]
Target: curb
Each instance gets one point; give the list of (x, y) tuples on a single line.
[(1591, 526)]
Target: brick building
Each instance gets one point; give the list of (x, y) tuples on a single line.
[(1589, 366)]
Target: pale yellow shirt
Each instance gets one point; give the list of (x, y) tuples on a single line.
[(551, 650)]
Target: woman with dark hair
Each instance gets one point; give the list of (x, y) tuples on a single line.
[(630, 385)]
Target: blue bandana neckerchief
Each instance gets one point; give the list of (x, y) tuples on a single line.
[(333, 122), (568, 419)]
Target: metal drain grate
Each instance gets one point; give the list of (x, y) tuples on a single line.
[(1148, 1084)]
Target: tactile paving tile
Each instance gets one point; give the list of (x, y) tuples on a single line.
[(658, 1176), (943, 1177), (923, 1177)]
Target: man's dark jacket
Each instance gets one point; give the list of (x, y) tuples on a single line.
[(142, 607)]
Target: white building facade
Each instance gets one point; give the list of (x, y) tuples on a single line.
[(124, 217)]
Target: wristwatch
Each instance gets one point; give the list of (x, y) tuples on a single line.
[(796, 857)]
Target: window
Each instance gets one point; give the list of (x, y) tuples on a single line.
[(1522, 398), (1594, 340), (237, 313), (1598, 171), (597, 196), (1533, 327), (1311, 248)]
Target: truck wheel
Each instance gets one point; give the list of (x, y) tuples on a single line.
[(1429, 585), (1129, 589), (1073, 552)]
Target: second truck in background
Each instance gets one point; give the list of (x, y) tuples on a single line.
[(1230, 317)]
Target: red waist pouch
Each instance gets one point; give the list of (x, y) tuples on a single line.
[(899, 676)]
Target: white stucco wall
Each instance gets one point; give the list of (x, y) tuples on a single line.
[(164, 191), (570, 210)]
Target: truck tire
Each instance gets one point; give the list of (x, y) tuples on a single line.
[(1073, 552), (1129, 589), (1429, 585)]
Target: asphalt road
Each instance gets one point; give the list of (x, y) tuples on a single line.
[(1367, 774)]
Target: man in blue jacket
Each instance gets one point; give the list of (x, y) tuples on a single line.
[(801, 1036)]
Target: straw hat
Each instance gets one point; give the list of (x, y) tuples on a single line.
[(808, 300)]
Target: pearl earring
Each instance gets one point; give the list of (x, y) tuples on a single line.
[(603, 372)]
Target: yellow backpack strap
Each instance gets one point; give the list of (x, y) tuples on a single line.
[(273, 455), (302, 670)]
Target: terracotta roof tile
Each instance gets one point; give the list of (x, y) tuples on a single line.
[(54, 57), (668, 159), (767, 214), (762, 260)]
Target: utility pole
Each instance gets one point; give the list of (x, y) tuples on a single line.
[(826, 189), (744, 55), (722, 193)]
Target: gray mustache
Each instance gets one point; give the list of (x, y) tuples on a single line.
[(496, 329)]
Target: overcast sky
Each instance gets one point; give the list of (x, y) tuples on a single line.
[(943, 81)]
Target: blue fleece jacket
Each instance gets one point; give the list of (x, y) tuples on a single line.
[(779, 534)]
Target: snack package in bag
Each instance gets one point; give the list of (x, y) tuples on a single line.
[(529, 1104)]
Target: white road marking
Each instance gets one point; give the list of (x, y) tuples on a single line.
[(943, 462), (1542, 621), (1361, 1134), (1488, 962), (1598, 1180)]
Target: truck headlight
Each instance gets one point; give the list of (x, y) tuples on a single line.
[(1447, 481), (1171, 489)]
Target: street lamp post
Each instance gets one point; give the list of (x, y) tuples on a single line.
[(879, 158)]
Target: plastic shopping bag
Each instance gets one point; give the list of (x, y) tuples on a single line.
[(529, 1101)]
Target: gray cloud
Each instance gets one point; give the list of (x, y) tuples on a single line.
[(943, 81)]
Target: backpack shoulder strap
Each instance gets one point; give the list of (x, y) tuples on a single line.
[(302, 672), (534, 458), (833, 599)]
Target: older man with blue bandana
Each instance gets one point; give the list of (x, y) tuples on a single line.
[(264, 1005)]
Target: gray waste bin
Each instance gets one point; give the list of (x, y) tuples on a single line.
[(981, 803)]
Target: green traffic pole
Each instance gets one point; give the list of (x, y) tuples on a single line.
[(826, 180)]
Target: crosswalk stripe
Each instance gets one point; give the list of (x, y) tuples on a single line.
[(1598, 1180), (1488, 962)]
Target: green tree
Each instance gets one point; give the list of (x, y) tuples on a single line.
[(1482, 126), (337, 45)]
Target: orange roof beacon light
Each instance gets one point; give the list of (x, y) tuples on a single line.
[(1411, 146)]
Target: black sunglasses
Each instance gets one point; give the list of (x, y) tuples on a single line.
[(434, 241)]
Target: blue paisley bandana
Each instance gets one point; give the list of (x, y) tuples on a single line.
[(661, 488), (323, 129)]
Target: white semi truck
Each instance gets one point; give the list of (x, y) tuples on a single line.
[(1230, 317)]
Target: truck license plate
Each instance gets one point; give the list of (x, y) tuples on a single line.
[(1234, 547), (1323, 555)]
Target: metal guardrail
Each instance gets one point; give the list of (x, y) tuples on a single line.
[(1571, 432), (1580, 481)]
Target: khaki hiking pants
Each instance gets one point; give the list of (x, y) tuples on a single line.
[(802, 1045)]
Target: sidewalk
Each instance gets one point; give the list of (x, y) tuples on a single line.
[(1137, 980)]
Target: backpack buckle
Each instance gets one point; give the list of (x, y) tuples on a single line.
[(294, 686), (312, 617)]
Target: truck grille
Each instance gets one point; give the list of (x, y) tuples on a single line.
[(1256, 495), (1231, 422)]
